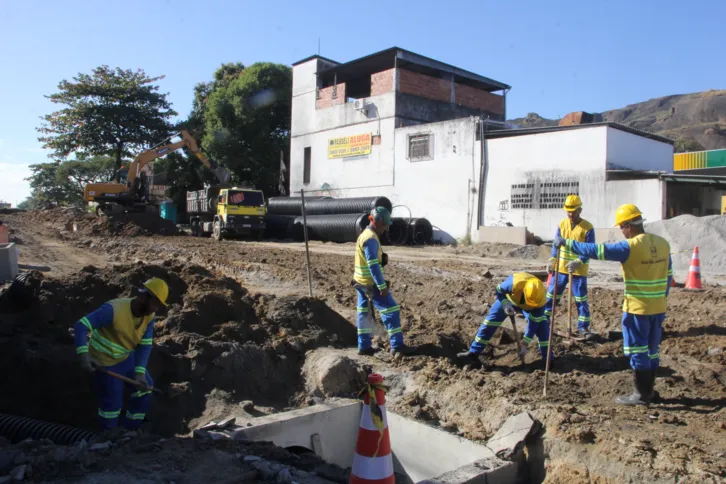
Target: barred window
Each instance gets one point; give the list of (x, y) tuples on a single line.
[(420, 147)]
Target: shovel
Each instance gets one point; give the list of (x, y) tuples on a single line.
[(127, 380), (516, 339)]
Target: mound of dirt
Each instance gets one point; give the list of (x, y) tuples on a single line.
[(214, 337), (72, 219), (687, 231)]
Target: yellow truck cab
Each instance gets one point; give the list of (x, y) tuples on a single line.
[(227, 212)]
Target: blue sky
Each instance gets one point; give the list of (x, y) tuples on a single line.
[(559, 56)]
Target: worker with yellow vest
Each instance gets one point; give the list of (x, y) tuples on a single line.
[(372, 288), (576, 228), (521, 292), (118, 337), (647, 274)]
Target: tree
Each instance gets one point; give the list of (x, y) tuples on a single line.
[(222, 77), (182, 173), (25, 204), (246, 125), (63, 183), (684, 145), (113, 112)]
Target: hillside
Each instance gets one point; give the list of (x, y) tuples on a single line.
[(701, 116)]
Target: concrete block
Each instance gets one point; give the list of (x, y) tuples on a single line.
[(509, 439), (509, 235), (8, 262), (484, 471)]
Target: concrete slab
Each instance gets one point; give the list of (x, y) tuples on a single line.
[(8, 261), (419, 451), (508, 235), (485, 471), (509, 439)]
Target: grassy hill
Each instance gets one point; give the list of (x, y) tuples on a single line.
[(701, 116)]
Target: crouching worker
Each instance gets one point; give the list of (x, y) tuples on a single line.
[(118, 337), (372, 288), (519, 292)]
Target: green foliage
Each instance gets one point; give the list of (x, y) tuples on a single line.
[(685, 145), (247, 121), (113, 112), (63, 183), (182, 174), (25, 204)]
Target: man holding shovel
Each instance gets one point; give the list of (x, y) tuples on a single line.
[(572, 268), (520, 291), (115, 342)]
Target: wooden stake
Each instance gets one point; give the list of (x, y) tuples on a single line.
[(552, 325), (307, 249), (569, 308)]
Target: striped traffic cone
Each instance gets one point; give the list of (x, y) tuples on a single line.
[(694, 272), (373, 462)]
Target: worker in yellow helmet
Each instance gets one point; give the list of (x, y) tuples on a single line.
[(576, 228), (647, 274), (521, 292), (118, 337)]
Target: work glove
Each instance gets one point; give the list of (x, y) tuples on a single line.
[(558, 242), (87, 363), (509, 309), (384, 259), (523, 349), (551, 265), (573, 265), (141, 380)]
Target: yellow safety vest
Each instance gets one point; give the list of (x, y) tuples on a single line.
[(362, 274), (577, 234), (519, 279), (645, 274), (112, 344)]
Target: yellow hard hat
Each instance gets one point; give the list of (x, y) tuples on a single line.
[(534, 293), (626, 213), (572, 203), (158, 288)]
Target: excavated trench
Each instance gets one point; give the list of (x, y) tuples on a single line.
[(216, 347)]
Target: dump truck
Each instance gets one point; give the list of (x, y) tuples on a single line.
[(224, 212)]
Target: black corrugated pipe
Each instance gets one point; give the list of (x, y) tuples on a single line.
[(332, 228), (289, 205), (278, 226), (16, 429), (326, 206), (420, 231), (397, 233)]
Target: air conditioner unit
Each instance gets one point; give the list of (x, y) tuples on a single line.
[(360, 104)]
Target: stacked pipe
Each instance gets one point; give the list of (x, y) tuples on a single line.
[(339, 220)]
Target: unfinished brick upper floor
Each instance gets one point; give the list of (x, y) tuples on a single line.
[(443, 89)]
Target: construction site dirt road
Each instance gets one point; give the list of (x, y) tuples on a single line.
[(240, 328)]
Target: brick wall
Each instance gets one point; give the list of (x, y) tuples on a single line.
[(425, 86), (325, 96), (382, 82), (472, 97)]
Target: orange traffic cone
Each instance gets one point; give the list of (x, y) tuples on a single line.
[(694, 272), (373, 461)]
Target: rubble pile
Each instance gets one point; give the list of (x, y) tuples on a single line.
[(72, 219)]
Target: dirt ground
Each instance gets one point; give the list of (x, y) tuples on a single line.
[(238, 307)]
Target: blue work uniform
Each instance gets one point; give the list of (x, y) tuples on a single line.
[(122, 344), (647, 275), (510, 291), (369, 282), (583, 231)]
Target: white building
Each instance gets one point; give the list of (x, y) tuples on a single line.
[(401, 125)]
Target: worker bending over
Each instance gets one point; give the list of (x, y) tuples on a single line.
[(519, 292), (372, 288), (118, 337), (647, 274), (576, 228)]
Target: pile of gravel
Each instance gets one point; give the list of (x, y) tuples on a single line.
[(687, 231)]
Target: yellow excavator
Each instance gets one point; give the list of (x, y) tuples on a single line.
[(131, 194)]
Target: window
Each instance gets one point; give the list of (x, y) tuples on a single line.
[(522, 195), (553, 194), (306, 165), (420, 147)]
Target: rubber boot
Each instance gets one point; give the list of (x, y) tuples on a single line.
[(466, 357), (403, 350), (368, 351), (642, 392)]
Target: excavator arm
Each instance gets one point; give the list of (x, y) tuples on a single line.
[(187, 141)]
